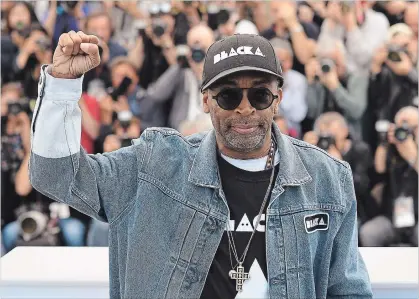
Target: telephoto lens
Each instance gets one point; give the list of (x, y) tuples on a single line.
[(326, 65)]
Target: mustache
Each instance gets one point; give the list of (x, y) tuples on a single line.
[(244, 121)]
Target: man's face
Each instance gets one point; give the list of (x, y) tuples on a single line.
[(120, 72), (101, 27), (285, 58), (243, 129)]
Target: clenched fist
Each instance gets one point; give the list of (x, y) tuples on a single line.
[(76, 54)]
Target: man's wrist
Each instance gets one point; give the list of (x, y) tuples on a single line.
[(50, 69)]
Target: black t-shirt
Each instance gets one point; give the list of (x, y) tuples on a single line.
[(244, 192)]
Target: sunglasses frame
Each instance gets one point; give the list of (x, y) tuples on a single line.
[(216, 97)]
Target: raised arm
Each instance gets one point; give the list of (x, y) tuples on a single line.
[(101, 185)]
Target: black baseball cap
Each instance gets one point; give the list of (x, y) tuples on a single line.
[(237, 53)]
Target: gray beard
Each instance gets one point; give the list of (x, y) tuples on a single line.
[(243, 143)]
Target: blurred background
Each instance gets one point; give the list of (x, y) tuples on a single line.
[(351, 88)]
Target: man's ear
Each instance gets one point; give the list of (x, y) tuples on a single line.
[(278, 101), (205, 102)]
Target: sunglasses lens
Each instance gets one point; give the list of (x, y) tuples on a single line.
[(229, 98), (260, 98)]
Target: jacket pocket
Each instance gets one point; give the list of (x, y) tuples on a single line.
[(305, 237)]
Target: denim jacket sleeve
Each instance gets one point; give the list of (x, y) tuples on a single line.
[(101, 185), (348, 277)]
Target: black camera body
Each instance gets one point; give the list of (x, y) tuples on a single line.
[(402, 133), (382, 126), (182, 52), (326, 141), (121, 89), (44, 44), (394, 53), (326, 65), (17, 106)]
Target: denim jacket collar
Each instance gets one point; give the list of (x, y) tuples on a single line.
[(204, 170)]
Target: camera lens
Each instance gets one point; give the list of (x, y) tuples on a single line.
[(158, 30), (198, 55), (401, 134), (325, 68)]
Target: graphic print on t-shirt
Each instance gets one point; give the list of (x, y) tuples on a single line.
[(257, 285), (244, 192)]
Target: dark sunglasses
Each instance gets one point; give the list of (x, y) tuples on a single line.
[(259, 97)]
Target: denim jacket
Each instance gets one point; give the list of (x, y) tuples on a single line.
[(167, 212)]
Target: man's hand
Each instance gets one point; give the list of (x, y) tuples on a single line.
[(289, 14), (311, 137), (334, 152), (76, 54), (378, 59), (312, 68), (401, 68), (330, 79)]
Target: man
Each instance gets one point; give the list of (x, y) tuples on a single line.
[(175, 96), (393, 80), (331, 133), (332, 88), (294, 104), (177, 205), (100, 24), (398, 159), (354, 22)]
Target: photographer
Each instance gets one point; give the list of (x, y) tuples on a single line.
[(331, 133), (126, 96), (397, 159), (294, 104), (332, 88), (100, 24), (158, 36), (301, 35), (176, 93), (393, 81), (22, 39), (18, 195), (360, 28)]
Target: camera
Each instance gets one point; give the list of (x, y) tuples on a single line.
[(124, 118), (197, 54), (382, 126), (325, 142), (326, 65), (14, 107), (125, 142), (35, 227), (159, 27), (44, 44), (394, 53), (401, 133), (140, 27), (182, 52), (121, 89)]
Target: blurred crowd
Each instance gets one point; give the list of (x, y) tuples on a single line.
[(351, 88)]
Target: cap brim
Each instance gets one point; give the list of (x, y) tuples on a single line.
[(236, 70)]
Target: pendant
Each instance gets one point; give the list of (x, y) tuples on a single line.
[(240, 276)]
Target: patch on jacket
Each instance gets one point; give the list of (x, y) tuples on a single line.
[(316, 222)]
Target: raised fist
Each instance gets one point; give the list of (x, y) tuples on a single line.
[(76, 54)]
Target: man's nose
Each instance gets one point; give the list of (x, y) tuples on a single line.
[(245, 107)]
